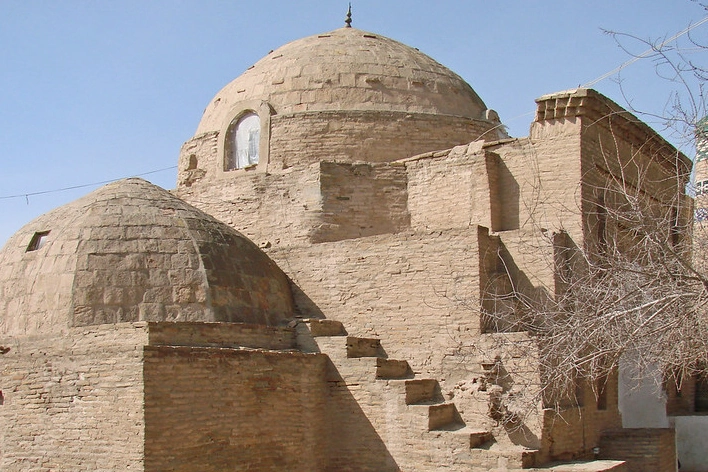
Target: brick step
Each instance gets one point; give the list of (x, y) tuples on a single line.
[(438, 417), (310, 332), (457, 434), (419, 391), (493, 456), (369, 369), (323, 327), (360, 371), (392, 369), (364, 347), (444, 417), (488, 366), (454, 440), (334, 346), (584, 466), (462, 436), (480, 438)]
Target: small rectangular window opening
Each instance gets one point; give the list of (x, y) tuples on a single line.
[(38, 240)]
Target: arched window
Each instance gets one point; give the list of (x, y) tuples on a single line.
[(243, 142)]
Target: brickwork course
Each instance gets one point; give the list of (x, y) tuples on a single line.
[(314, 311)]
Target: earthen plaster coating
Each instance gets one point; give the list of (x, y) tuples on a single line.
[(389, 360)]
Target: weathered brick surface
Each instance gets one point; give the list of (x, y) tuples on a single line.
[(366, 136), (523, 189), (645, 450), (221, 335), (572, 433), (407, 289), (143, 397), (73, 401), (545, 168), (361, 200), (346, 69), (448, 190), (131, 251), (213, 409), (276, 208), (397, 251)]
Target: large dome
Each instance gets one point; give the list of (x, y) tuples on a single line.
[(347, 69), (131, 251), (345, 96)]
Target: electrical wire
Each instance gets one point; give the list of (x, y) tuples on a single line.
[(646, 53), (614, 71), (44, 192)]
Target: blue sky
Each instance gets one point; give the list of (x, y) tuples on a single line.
[(97, 90)]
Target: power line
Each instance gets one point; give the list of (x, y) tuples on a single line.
[(30, 194), (614, 71), (646, 53)]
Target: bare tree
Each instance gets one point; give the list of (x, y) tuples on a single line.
[(680, 64), (636, 289)]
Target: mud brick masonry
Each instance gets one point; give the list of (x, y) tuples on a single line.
[(304, 297)]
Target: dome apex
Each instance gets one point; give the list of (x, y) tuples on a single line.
[(347, 69)]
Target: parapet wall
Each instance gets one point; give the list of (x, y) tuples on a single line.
[(270, 209), (224, 335), (326, 201)]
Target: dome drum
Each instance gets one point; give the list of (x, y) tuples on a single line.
[(342, 136)]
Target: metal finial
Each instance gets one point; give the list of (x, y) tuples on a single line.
[(348, 21)]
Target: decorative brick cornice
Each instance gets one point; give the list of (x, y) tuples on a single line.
[(597, 110)]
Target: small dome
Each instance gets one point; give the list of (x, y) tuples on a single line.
[(131, 251), (347, 69)]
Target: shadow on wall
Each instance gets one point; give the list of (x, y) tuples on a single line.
[(508, 194), (304, 306), (500, 383), (502, 309), (354, 443)]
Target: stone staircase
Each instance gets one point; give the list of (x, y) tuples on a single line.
[(423, 421), (422, 430)]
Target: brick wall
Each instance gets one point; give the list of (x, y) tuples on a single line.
[(573, 427), (306, 138), (279, 208), (214, 409), (73, 401), (645, 450), (419, 289), (361, 200), (325, 201), (417, 292), (547, 170), (368, 136), (448, 190)]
